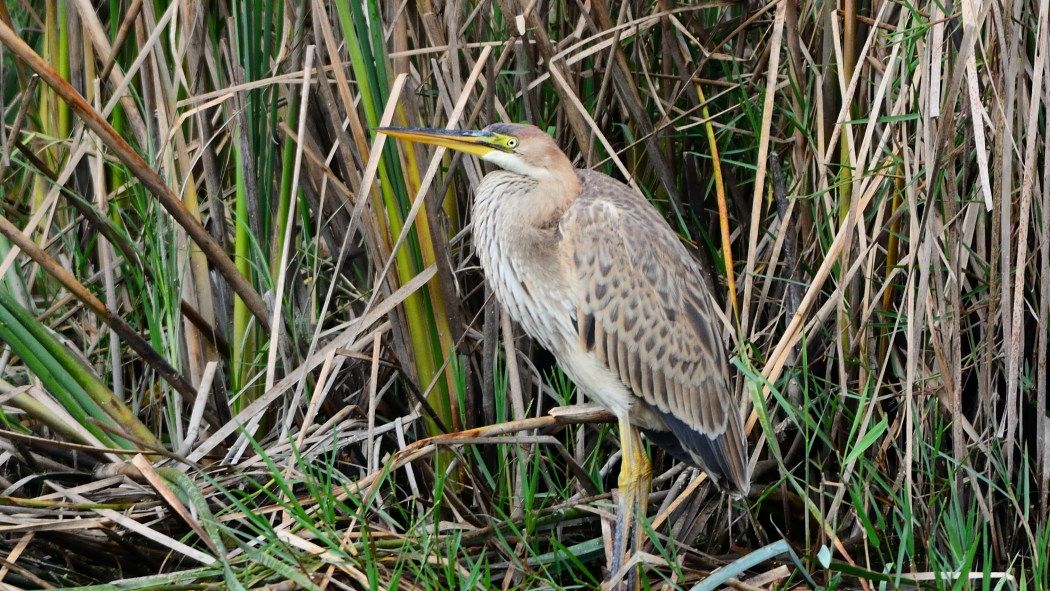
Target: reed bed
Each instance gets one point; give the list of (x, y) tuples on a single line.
[(244, 340)]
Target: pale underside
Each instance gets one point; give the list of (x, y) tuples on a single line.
[(608, 287)]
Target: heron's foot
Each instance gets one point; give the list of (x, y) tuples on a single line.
[(635, 479)]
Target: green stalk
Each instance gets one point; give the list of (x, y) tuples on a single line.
[(285, 196), (43, 365), (242, 338), (62, 67), (849, 59), (66, 377)]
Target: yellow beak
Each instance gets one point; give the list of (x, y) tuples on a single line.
[(478, 143)]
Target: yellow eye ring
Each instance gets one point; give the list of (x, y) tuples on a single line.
[(512, 143)]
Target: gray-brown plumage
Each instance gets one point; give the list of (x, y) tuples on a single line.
[(589, 269), (645, 313)]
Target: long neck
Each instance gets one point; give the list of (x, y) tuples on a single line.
[(517, 238), (561, 189), (520, 202)]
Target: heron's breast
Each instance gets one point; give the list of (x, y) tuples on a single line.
[(529, 275), (522, 264)]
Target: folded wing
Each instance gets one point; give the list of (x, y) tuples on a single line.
[(644, 312)]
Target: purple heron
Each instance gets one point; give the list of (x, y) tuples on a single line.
[(589, 269)]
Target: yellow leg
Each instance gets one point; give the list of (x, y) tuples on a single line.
[(635, 479)]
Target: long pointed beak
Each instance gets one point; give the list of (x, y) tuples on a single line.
[(478, 143)]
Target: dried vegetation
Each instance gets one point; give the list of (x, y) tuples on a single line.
[(230, 316)]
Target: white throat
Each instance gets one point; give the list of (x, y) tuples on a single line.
[(516, 165)]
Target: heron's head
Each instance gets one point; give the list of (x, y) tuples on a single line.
[(521, 149)]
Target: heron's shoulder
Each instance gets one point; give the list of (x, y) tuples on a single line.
[(606, 208), (603, 197), (597, 186)]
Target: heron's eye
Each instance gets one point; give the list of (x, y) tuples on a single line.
[(512, 143)]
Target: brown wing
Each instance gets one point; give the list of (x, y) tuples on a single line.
[(644, 312)]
